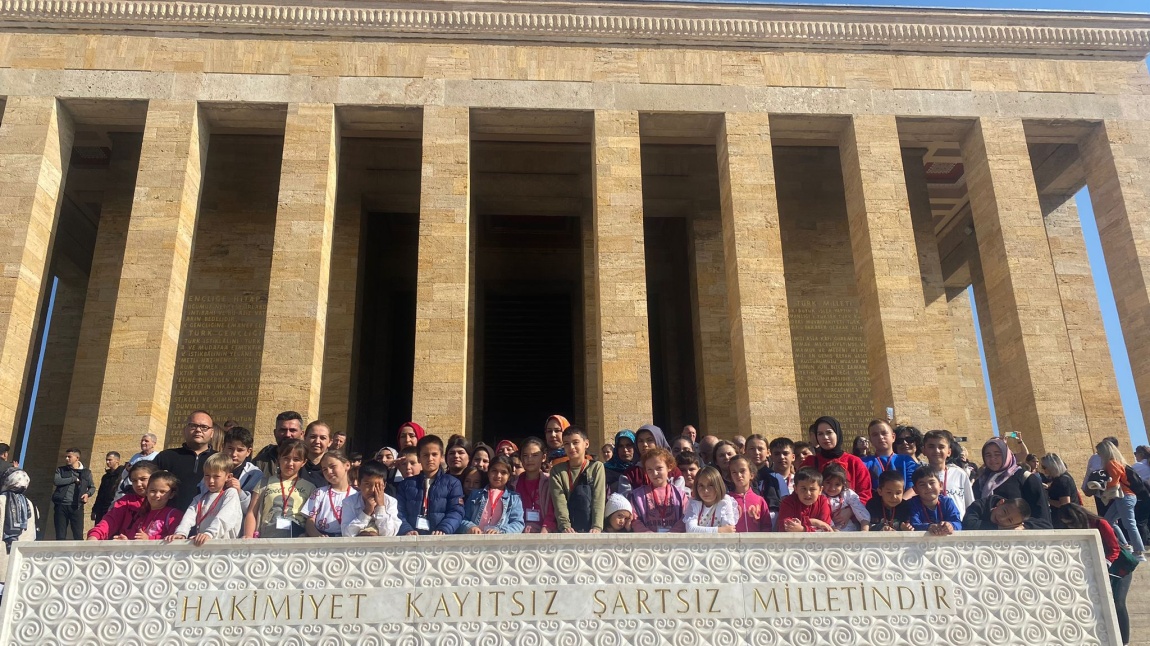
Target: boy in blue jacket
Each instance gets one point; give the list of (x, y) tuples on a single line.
[(431, 502), (930, 511)]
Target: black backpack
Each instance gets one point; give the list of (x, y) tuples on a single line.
[(1137, 484)]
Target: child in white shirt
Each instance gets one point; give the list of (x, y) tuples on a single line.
[(370, 511), (847, 511), (711, 510), (215, 514)]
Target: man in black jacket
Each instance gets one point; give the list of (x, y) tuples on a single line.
[(187, 461), (289, 426), (74, 485), (113, 474)]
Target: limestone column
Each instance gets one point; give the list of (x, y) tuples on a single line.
[(1117, 159), (713, 366), (764, 369), (439, 399), (620, 301), (35, 146), (291, 371), (1091, 351), (900, 339), (1022, 291), (593, 400), (145, 335), (951, 395), (100, 300)]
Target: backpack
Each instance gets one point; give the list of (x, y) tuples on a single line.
[(1137, 484)]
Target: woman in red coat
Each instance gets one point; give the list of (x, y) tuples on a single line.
[(828, 437)]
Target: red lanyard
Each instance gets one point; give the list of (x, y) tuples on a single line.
[(426, 493), (892, 514), (699, 520), (938, 511), (665, 506), (494, 496), (336, 510), (285, 497), (200, 515), (881, 466)]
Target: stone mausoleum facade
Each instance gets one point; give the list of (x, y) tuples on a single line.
[(476, 214)]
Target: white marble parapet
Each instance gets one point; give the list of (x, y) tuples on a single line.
[(726, 25), (758, 589)]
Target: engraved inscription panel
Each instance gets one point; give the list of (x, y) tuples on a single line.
[(749, 589), (831, 362)]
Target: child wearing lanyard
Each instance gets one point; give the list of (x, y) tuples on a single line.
[(324, 509), (848, 513), (216, 513), (931, 511), (754, 513), (494, 509), (276, 509), (659, 506), (889, 512), (937, 446), (711, 510), (533, 487)]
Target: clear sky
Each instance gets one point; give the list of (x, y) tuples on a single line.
[(1131, 6)]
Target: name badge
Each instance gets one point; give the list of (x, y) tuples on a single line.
[(283, 522), (532, 515), (664, 530), (421, 524)]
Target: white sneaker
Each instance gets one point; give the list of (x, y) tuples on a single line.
[(1141, 558)]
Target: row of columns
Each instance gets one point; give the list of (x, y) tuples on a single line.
[(904, 324)]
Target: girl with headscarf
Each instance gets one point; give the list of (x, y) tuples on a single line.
[(827, 436), (1001, 476), (624, 457), (647, 437), (409, 435), (19, 517)]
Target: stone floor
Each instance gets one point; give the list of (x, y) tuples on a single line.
[(1138, 604)]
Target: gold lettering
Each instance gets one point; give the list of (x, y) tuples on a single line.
[(215, 610), (862, 595), (315, 606), (641, 601), (497, 594), (522, 608), (662, 592), (714, 597), (236, 610), (902, 603), (462, 601), (550, 602), (336, 604), (599, 602), (441, 606), (787, 590), (876, 595), (802, 608), (620, 602), (285, 606), (199, 600), (358, 598), (940, 598), (832, 600), (686, 603), (411, 607)]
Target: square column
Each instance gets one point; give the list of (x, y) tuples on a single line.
[(1117, 156), (35, 146), (620, 302), (713, 368), (765, 392), (291, 371), (901, 340), (137, 388), (1022, 291), (439, 398)]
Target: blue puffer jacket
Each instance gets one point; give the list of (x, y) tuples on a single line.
[(510, 523), (444, 503)]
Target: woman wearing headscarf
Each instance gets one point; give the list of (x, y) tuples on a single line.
[(1002, 477), (17, 515), (553, 436), (827, 435), (624, 457), (647, 437)]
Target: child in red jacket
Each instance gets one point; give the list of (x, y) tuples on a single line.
[(115, 523), (807, 509)]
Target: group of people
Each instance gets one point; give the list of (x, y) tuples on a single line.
[(893, 478)]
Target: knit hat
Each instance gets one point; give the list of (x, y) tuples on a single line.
[(617, 502)]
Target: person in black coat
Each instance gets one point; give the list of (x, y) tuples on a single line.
[(106, 495), (74, 486), (1002, 477)]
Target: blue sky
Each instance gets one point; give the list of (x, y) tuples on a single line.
[(1132, 6)]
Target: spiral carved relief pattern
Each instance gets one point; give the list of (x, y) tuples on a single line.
[(1007, 592)]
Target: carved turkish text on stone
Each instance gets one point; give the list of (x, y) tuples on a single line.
[(831, 361)]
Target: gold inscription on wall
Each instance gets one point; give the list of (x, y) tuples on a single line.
[(567, 603), (831, 362), (218, 366)]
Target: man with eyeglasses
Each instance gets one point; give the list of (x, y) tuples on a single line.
[(187, 460)]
